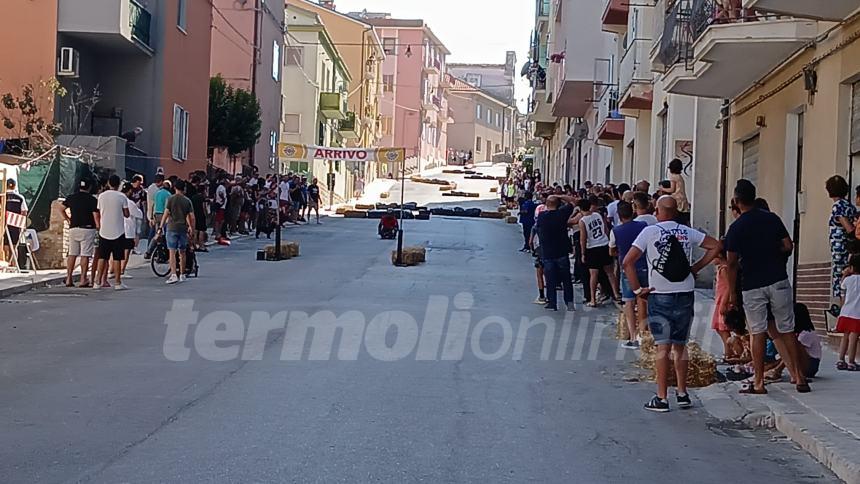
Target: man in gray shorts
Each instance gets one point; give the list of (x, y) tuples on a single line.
[(81, 212), (758, 243)]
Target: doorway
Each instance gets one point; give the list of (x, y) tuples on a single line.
[(793, 183)]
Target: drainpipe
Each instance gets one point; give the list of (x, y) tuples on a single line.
[(725, 119), (258, 11)]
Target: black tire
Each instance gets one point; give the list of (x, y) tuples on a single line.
[(160, 261)]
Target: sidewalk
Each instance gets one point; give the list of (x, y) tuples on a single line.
[(826, 422), (11, 284)]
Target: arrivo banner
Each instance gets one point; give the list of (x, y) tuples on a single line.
[(289, 151)]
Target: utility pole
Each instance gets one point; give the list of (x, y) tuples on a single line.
[(399, 260)]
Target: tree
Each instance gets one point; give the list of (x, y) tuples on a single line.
[(235, 117), (21, 116)]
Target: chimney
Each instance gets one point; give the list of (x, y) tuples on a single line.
[(329, 4)]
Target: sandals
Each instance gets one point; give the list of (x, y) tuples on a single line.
[(751, 390), (842, 366), (804, 388)]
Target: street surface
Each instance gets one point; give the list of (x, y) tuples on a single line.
[(89, 395)]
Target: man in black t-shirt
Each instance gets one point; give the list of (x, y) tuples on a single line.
[(15, 203), (551, 227), (314, 199), (82, 214), (758, 243)]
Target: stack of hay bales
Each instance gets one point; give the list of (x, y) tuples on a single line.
[(411, 256), (289, 250), (622, 332), (703, 367)]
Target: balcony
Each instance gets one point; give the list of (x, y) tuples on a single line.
[(834, 10), (635, 77), (580, 38), (610, 123), (427, 104), (433, 67), (544, 130), (348, 127), (333, 105), (615, 14), (118, 25), (437, 101), (542, 10), (728, 55)]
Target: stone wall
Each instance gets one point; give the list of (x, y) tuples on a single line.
[(54, 242)]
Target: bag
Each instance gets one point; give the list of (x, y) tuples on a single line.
[(672, 262)]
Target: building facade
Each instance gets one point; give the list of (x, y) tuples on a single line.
[(247, 51), (481, 123), (124, 65), (360, 48), (414, 102), (315, 107)]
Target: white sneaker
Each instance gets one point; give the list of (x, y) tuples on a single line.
[(181, 277), (127, 276), (120, 287), (172, 279)]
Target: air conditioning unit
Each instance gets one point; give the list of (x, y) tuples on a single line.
[(580, 131), (68, 62)]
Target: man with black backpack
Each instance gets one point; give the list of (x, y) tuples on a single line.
[(668, 248)]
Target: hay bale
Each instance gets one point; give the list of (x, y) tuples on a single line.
[(494, 215), (702, 371), (494, 189), (286, 251), (510, 219), (343, 209), (447, 188), (411, 256), (384, 195), (364, 206), (355, 214), (622, 332)]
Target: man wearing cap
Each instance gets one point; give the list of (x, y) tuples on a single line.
[(80, 211), (15, 203)]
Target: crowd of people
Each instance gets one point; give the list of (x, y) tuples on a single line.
[(109, 218), (634, 247)]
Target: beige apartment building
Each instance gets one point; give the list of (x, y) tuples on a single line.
[(770, 93), (482, 122)]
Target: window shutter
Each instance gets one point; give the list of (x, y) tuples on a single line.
[(855, 118), (177, 131), (749, 167)]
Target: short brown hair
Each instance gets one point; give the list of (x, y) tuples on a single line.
[(837, 187)]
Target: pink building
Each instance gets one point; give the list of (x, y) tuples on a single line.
[(414, 105)]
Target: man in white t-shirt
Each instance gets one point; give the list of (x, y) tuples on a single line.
[(641, 206), (113, 210), (671, 295)]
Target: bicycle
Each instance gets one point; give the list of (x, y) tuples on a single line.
[(160, 259)]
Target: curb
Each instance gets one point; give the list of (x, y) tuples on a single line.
[(11, 291), (827, 443)]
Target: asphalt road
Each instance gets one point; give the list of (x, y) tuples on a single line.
[(88, 393)]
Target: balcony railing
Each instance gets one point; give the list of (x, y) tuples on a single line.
[(348, 127), (676, 43), (709, 12), (140, 21), (608, 106), (635, 65), (543, 8)]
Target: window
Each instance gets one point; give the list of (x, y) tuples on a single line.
[(181, 17), (388, 83), (498, 120), (180, 133), (489, 116), (387, 125), (473, 80), (478, 112), (295, 56), (749, 165), (854, 147), (389, 45), (276, 61), (478, 145), (498, 148), (293, 123), (273, 144)]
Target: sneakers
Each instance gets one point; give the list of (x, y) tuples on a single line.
[(120, 287), (683, 400), (570, 306), (540, 300), (657, 404), (181, 277), (550, 307), (172, 279), (630, 345)]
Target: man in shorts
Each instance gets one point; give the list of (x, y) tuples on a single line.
[(314, 199), (670, 302), (112, 206), (81, 212), (758, 244), (179, 220), (620, 240), (594, 241)]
